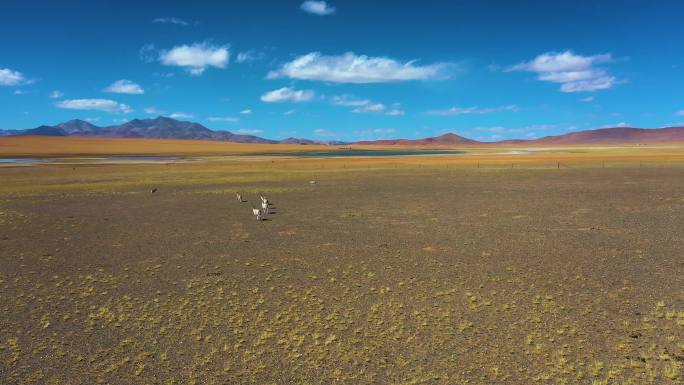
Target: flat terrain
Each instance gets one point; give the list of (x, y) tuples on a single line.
[(392, 271)]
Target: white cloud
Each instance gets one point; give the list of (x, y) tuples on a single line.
[(56, 94), (529, 131), (154, 111), (473, 110), (320, 8), (171, 20), (541, 127), (366, 106), (249, 56), (352, 68), (378, 131), (348, 100), (575, 73), (287, 94), (680, 113), (20, 92), (148, 53), (105, 105), (181, 115), (9, 77), (374, 107), (125, 86), (93, 120), (588, 99), (223, 119), (244, 57), (246, 112), (196, 58), (164, 75), (620, 124), (246, 131), (289, 112)]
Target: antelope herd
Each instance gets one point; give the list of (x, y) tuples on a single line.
[(259, 213)]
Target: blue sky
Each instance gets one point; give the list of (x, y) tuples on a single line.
[(346, 70)]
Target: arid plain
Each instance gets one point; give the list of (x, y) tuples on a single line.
[(560, 266)]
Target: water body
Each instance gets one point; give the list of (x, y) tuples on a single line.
[(310, 154), (363, 153), (141, 158), (89, 159), (24, 160)]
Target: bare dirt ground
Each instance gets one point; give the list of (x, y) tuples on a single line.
[(410, 275)]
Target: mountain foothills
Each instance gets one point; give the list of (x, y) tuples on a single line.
[(168, 128)]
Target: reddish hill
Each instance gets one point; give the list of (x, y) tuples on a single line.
[(612, 135), (442, 140)]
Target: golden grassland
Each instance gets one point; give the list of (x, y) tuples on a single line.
[(74, 146), (43, 146), (411, 270)]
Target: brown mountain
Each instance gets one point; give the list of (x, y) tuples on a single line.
[(442, 140), (168, 128), (612, 135)]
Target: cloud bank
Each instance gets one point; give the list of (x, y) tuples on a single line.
[(287, 94), (9, 77), (171, 20), (196, 58), (473, 110), (320, 8), (352, 68), (105, 105), (125, 86), (575, 73)]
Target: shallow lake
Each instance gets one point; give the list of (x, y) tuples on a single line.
[(339, 153), (24, 160), (88, 159)]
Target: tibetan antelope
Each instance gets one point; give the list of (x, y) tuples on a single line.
[(257, 213)]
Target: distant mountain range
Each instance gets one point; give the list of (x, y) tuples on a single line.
[(611, 135), (158, 128), (167, 128)]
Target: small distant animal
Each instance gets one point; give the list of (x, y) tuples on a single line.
[(239, 197), (264, 207), (312, 182), (257, 214), (154, 190)]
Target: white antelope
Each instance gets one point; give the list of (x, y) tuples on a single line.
[(239, 197), (257, 213), (264, 207)]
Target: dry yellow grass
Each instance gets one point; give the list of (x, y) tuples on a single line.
[(490, 276), (37, 146), (73, 146)]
